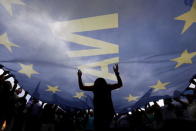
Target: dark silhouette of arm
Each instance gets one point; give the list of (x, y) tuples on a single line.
[(81, 85), (119, 81)]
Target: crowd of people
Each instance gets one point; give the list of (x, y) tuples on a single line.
[(18, 114)]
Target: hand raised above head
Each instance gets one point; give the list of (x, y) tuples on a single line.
[(79, 72), (115, 68)]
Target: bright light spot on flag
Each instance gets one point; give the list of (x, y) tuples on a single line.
[(129, 112), (194, 80), (41, 37), (160, 102), (56, 28)]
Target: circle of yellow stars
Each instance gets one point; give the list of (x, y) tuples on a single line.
[(185, 58), (28, 70)]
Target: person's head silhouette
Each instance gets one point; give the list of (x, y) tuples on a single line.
[(100, 83)]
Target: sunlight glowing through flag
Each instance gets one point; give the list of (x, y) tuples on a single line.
[(44, 43)]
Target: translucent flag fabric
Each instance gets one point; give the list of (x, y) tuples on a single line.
[(44, 43)]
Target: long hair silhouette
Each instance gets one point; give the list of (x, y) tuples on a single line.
[(102, 101)]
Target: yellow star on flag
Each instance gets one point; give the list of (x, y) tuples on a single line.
[(189, 17), (5, 42), (7, 4), (79, 95), (185, 58), (160, 86), (27, 70), (131, 98), (53, 89)]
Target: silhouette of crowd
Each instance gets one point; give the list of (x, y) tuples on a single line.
[(18, 114)]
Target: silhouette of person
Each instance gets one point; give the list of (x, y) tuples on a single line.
[(103, 106)]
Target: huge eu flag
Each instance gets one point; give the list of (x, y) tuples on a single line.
[(44, 42)]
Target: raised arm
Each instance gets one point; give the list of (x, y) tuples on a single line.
[(119, 81), (81, 85)]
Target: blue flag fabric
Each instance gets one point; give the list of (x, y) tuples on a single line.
[(43, 43)]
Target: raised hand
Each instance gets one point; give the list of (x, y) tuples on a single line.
[(79, 73), (115, 68)]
